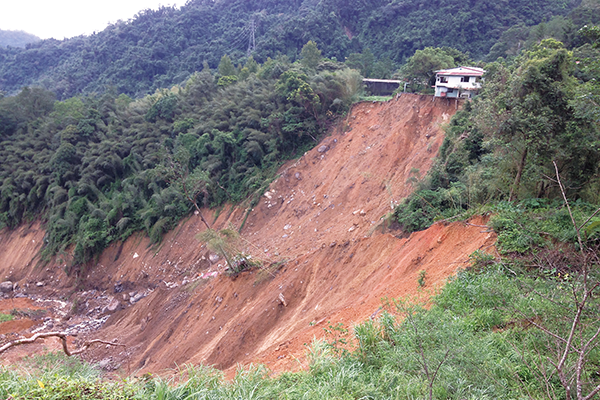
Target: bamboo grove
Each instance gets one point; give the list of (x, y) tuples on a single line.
[(98, 168)]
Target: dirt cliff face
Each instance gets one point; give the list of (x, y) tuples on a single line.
[(322, 221)]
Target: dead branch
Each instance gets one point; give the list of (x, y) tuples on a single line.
[(63, 338), (478, 226)]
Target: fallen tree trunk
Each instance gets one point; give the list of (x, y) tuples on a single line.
[(62, 336)]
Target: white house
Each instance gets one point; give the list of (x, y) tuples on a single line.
[(460, 82)]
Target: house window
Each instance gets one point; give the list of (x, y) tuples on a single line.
[(443, 79), (464, 79)]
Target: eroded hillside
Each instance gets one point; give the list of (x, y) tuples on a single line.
[(322, 219)]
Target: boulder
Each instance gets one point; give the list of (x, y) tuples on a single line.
[(136, 298), (113, 305), (6, 287)]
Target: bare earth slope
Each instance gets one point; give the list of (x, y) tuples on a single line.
[(322, 218)]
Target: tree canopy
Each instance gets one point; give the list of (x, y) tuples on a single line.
[(98, 168), (538, 110), (161, 48)]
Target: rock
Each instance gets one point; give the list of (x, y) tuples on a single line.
[(40, 284), (213, 258), (136, 255), (136, 298), (113, 305), (281, 299), (323, 149), (298, 176), (288, 226), (104, 364), (6, 287), (118, 287), (352, 228)]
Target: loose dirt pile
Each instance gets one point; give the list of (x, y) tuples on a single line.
[(322, 223)]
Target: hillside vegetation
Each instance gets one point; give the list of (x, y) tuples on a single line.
[(99, 168), (161, 48), (539, 109)]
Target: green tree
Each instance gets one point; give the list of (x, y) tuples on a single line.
[(163, 108), (420, 68), (294, 87), (539, 119), (226, 67), (591, 33), (251, 67), (310, 55), (176, 171), (364, 62)]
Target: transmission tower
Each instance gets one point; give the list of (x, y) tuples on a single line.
[(252, 38)]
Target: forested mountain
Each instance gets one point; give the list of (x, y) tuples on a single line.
[(16, 38), (160, 48)]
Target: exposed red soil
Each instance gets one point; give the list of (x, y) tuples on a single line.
[(22, 303), (19, 324), (323, 218), (19, 251)]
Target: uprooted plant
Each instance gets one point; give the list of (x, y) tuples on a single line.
[(227, 243)]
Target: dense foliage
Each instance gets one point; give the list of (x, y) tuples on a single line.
[(540, 109), (161, 48), (101, 167)]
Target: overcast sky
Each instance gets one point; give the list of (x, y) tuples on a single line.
[(61, 19)]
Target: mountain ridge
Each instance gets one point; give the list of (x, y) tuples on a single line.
[(161, 48)]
